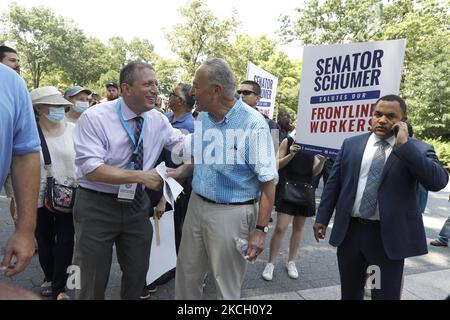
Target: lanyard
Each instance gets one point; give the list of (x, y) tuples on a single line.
[(128, 129)]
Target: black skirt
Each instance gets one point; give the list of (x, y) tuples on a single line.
[(299, 169), (293, 209)]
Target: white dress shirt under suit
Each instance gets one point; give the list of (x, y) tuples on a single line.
[(369, 152), (100, 138)]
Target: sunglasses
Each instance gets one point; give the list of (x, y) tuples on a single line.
[(174, 94), (245, 92)]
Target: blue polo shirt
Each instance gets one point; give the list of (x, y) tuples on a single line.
[(186, 125), (18, 132), (186, 122)]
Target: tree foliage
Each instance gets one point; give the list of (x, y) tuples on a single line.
[(55, 52), (249, 48), (43, 40), (262, 51), (200, 34)]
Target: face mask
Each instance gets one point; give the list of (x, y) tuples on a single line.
[(55, 114), (81, 106)]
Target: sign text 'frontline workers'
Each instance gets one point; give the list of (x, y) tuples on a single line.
[(340, 85)]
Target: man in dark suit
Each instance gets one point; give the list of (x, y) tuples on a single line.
[(372, 186)]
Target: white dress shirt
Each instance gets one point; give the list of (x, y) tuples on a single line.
[(100, 138), (369, 152)]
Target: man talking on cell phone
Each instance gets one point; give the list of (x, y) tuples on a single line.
[(372, 186)]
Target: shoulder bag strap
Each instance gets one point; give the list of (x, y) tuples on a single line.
[(45, 152)]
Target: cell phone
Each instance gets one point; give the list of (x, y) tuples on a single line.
[(395, 131)]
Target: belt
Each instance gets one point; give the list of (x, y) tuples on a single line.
[(111, 195), (253, 201), (365, 221)]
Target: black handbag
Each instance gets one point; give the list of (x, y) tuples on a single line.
[(58, 198), (298, 193)]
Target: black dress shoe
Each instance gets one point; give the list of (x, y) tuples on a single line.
[(438, 243)]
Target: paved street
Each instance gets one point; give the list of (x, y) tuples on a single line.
[(426, 277)]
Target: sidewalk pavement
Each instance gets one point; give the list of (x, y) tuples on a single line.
[(427, 277), (434, 285)]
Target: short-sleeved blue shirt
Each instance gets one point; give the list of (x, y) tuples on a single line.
[(233, 157), (18, 132), (185, 123)]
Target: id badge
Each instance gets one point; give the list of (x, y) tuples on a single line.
[(127, 191)]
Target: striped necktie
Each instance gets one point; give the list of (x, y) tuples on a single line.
[(370, 195), (138, 165)]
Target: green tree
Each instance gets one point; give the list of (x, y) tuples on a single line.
[(85, 62), (332, 21), (3, 37), (168, 73), (288, 73), (249, 48), (423, 23), (55, 52), (262, 52), (166, 69), (426, 83), (122, 52), (42, 39), (200, 34), (117, 53), (141, 50)]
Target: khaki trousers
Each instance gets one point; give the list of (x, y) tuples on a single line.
[(208, 245)]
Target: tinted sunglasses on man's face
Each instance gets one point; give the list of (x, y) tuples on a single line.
[(245, 92)]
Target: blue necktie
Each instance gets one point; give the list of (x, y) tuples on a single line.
[(138, 164), (370, 194)]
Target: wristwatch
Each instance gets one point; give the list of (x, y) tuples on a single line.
[(264, 229)]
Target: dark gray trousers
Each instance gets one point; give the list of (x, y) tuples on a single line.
[(100, 222)]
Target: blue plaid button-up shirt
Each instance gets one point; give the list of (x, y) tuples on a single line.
[(233, 157)]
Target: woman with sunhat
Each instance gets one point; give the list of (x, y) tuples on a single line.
[(54, 231)]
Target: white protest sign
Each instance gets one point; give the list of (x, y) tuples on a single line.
[(268, 83), (340, 85), (163, 257)]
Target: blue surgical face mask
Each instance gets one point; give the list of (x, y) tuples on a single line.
[(55, 114), (81, 106)]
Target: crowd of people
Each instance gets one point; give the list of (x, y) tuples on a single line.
[(80, 172)]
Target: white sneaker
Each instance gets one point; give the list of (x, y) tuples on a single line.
[(292, 270), (268, 272), (63, 296)]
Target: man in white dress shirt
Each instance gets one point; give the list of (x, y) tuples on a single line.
[(117, 145)]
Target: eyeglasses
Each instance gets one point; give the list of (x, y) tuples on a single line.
[(245, 92), (174, 94)]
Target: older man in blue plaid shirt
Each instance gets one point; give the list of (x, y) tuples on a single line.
[(233, 187)]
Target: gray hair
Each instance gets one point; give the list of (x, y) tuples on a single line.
[(185, 89), (128, 73), (219, 72)]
